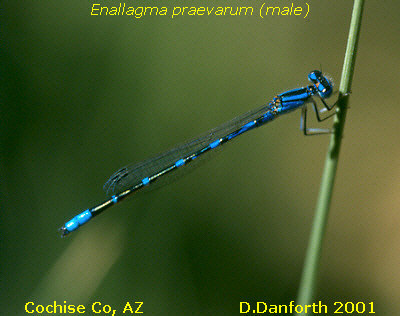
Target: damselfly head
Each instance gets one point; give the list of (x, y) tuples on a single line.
[(322, 84)]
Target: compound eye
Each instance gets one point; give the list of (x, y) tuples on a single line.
[(315, 76), (321, 83), (324, 88)]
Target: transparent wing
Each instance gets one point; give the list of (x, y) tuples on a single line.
[(133, 174)]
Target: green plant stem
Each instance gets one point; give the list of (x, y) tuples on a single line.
[(310, 270)]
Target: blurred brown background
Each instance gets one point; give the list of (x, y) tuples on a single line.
[(84, 96)]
